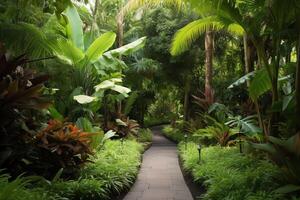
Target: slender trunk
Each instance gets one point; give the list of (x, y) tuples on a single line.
[(120, 36), (209, 46), (247, 56), (273, 75), (297, 84), (95, 9), (120, 27), (187, 90), (249, 66)]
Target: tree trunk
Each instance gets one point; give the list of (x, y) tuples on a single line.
[(248, 56), (297, 84), (209, 46), (120, 36), (186, 103)]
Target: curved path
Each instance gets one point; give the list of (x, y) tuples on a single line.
[(160, 177)]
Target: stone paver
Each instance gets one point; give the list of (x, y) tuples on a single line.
[(160, 177)]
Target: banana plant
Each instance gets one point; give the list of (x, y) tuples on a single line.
[(112, 84), (72, 49)]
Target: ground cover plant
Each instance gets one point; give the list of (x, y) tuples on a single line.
[(227, 174)]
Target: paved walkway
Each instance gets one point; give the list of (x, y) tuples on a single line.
[(160, 177)]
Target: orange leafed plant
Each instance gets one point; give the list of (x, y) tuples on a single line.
[(65, 143)]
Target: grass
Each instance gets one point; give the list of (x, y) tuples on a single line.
[(229, 175)]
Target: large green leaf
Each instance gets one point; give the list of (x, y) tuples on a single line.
[(260, 84), (128, 49), (287, 189), (121, 89), (242, 80), (68, 52), (85, 125), (107, 84), (55, 114), (84, 99), (100, 45), (74, 27)]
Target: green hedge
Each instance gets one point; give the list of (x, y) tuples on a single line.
[(229, 175)]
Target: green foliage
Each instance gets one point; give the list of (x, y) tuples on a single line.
[(217, 133), (186, 36), (113, 169), (144, 135), (173, 133), (285, 153), (260, 84), (62, 145), (18, 189), (228, 174)]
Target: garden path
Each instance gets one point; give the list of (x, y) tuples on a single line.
[(160, 177)]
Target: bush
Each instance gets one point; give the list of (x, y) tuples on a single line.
[(227, 174), (177, 135), (173, 133), (113, 170), (145, 135)]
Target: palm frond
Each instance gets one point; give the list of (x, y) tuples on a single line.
[(235, 29), (136, 4), (26, 39), (190, 33)]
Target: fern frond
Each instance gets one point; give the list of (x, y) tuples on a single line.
[(190, 33)]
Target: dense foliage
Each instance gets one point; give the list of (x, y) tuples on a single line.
[(230, 175), (75, 74)]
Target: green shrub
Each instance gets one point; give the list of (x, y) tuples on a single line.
[(227, 174), (113, 169), (144, 135), (151, 121), (173, 133)]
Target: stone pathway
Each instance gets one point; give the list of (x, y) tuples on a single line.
[(160, 177)]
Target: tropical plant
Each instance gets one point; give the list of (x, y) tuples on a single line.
[(217, 133), (124, 126), (18, 189), (63, 145), (285, 153), (21, 99)]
